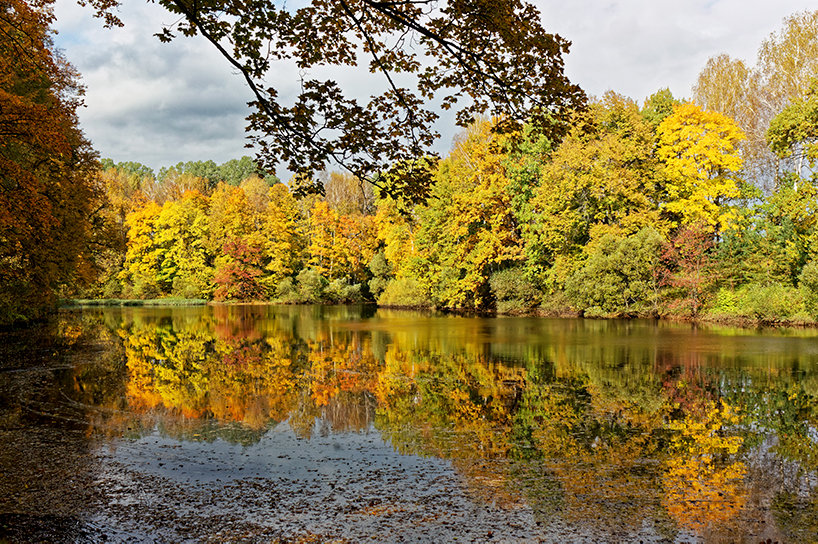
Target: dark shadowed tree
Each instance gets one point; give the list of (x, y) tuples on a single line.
[(49, 196)]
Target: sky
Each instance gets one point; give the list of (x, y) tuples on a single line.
[(160, 104)]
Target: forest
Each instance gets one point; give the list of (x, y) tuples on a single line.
[(687, 208)]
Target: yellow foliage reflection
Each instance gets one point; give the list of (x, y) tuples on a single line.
[(559, 427), (704, 483)]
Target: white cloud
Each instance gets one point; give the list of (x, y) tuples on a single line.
[(636, 47), (151, 102), (164, 103)]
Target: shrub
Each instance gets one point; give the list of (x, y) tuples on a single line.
[(311, 285), (808, 285), (340, 291), (188, 288), (143, 289), (377, 285), (727, 302), (112, 288), (556, 304), (772, 302), (513, 291), (404, 292), (286, 291), (621, 275)]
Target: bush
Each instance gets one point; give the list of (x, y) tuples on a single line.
[(620, 276), (377, 285), (340, 291), (143, 289), (727, 302), (808, 284), (513, 291), (556, 304), (404, 292), (287, 292), (112, 288), (188, 288), (772, 302), (311, 285)]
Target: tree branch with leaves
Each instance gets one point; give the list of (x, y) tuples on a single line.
[(480, 57)]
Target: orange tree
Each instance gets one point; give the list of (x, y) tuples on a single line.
[(47, 168)]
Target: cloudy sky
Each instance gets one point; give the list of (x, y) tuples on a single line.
[(160, 104)]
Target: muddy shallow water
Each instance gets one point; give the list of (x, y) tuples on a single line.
[(346, 424)]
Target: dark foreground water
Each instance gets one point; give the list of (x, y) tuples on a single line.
[(337, 424)]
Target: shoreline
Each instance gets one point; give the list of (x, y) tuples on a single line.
[(743, 322)]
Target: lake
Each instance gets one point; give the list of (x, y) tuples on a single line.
[(304, 424)]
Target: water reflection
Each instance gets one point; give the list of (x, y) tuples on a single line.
[(598, 429)]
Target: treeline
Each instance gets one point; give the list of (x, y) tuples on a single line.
[(671, 207), (668, 208)]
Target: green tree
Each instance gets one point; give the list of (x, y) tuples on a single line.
[(658, 106), (622, 276), (793, 133), (234, 171)]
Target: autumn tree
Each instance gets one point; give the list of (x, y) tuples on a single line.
[(468, 230), (186, 267), (701, 158), (690, 259), (283, 235), (239, 275), (144, 255), (488, 56), (724, 86), (754, 95), (600, 180), (347, 194), (48, 189)]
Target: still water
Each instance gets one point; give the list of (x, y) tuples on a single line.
[(345, 424)]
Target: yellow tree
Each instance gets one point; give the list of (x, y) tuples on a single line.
[(395, 232), (468, 230), (182, 231), (704, 478), (700, 155), (144, 255), (230, 216), (324, 251), (357, 240), (283, 240), (601, 180)]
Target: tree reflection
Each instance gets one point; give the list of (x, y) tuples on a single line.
[(595, 422)]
